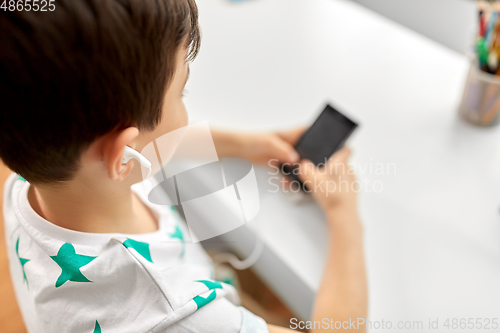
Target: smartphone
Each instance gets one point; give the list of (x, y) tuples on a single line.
[(324, 138)]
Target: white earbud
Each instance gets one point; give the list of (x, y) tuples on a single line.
[(129, 153)]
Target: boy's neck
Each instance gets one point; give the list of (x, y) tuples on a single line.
[(96, 208)]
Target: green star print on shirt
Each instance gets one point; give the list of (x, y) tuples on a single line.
[(70, 263), (97, 328), (22, 260), (202, 301), (211, 284), (179, 235), (141, 248)]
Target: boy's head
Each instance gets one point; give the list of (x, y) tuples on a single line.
[(91, 71)]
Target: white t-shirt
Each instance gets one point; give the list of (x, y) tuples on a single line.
[(69, 281)]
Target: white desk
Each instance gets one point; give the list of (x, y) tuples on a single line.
[(432, 233)]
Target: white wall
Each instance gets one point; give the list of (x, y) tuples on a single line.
[(448, 22)]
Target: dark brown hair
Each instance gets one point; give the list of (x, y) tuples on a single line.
[(85, 69)]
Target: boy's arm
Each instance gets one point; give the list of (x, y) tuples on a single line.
[(259, 148), (342, 295)]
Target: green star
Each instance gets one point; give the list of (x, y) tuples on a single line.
[(21, 260), (141, 248), (211, 284), (97, 328), (201, 301), (21, 178), (70, 263), (179, 235)]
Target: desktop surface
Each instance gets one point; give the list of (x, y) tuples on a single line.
[(431, 199)]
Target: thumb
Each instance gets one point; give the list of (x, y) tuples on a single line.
[(307, 171)]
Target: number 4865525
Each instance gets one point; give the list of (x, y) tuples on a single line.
[(28, 5)]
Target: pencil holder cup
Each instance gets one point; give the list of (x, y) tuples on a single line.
[(481, 97)]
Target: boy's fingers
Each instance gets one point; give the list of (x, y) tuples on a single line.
[(274, 162), (342, 156), (307, 170), (284, 152), (292, 136), (286, 183)]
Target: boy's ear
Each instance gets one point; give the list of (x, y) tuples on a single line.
[(113, 153)]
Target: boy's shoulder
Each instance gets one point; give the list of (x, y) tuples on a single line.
[(150, 277)]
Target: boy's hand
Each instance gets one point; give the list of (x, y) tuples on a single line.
[(333, 186), (263, 148), (259, 148)]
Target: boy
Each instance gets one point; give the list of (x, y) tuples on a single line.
[(87, 253)]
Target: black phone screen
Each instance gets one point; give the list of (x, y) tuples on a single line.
[(325, 137)]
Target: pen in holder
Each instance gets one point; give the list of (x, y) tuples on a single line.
[(481, 97)]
